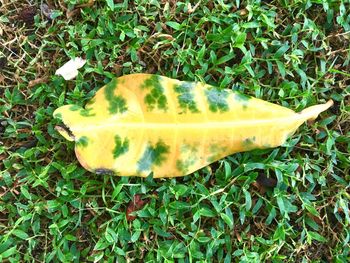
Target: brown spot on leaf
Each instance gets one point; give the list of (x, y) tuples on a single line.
[(317, 219), (136, 204)]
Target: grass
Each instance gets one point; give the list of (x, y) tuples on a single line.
[(289, 204)]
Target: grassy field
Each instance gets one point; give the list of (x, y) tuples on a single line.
[(289, 204)]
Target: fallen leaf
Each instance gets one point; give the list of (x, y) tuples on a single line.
[(70, 70), (140, 110)]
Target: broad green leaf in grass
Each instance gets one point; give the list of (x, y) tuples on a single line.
[(110, 4), (20, 233)]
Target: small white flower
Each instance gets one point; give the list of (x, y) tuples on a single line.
[(70, 70)]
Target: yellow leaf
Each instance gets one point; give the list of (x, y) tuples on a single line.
[(142, 123)]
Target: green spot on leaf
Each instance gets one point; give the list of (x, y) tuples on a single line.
[(182, 166), (74, 108), (83, 141), (242, 98), (91, 102), (58, 116), (121, 146), (82, 112), (117, 104), (153, 155), (156, 97), (216, 152), (249, 142), (217, 99), (86, 112), (186, 97), (191, 158)]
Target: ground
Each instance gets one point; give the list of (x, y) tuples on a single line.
[(288, 204)]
